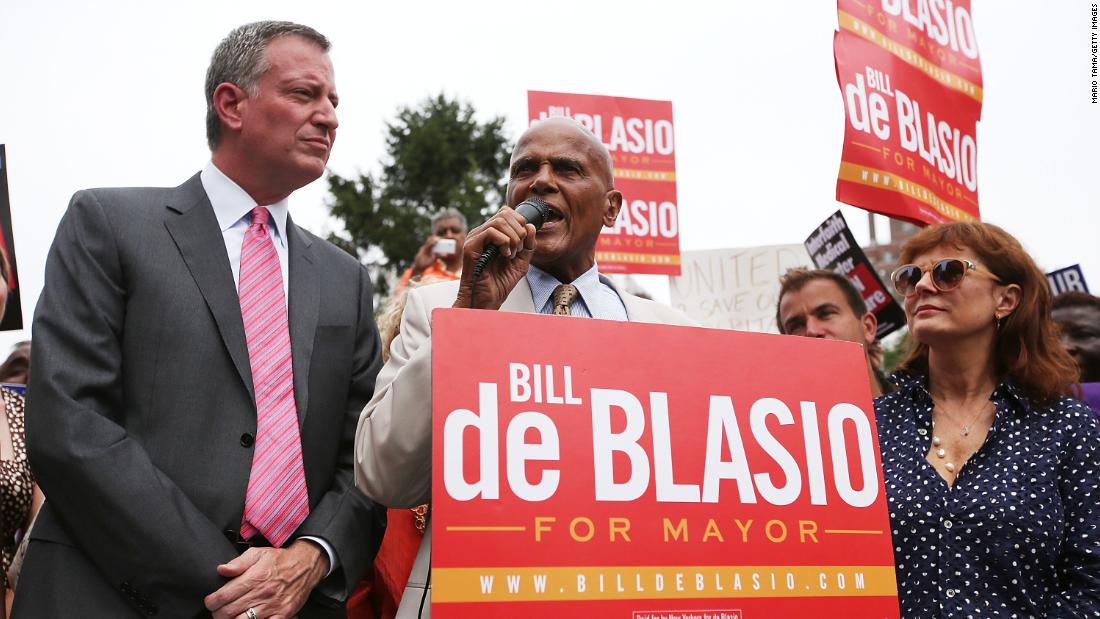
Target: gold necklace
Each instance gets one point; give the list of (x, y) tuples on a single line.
[(964, 427)]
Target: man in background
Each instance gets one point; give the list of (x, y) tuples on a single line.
[(200, 363), (1078, 317), (823, 303), (440, 257)]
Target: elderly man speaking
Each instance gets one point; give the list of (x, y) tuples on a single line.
[(549, 271)]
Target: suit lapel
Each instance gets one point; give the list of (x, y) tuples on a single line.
[(519, 300), (630, 302), (304, 309), (198, 237)]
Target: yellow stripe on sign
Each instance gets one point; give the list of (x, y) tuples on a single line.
[(636, 258), (857, 26), (485, 529), (872, 177), (646, 175), (562, 584), (867, 146)]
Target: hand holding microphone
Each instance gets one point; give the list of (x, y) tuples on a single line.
[(501, 249), (534, 210)]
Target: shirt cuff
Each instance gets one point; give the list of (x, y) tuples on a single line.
[(328, 550)]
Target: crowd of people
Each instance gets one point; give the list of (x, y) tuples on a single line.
[(221, 428)]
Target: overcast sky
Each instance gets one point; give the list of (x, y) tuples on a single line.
[(109, 93)]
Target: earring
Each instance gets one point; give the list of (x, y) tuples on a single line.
[(998, 321)]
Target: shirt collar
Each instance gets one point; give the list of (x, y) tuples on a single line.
[(232, 203), (543, 285), (1007, 390)]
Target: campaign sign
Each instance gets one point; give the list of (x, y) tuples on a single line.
[(936, 37), (639, 135), (1068, 279), (832, 246), (11, 316), (911, 107), (734, 288), (591, 468)]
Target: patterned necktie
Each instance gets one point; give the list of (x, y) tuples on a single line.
[(276, 501), (563, 296)]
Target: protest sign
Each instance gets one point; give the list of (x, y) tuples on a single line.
[(910, 80), (734, 288), (617, 469), (1068, 279), (639, 134), (832, 246), (12, 315)]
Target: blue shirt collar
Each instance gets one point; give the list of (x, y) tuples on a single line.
[(543, 285), (917, 386)]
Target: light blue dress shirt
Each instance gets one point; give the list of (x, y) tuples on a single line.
[(595, 299)]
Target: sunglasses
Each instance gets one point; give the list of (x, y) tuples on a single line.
[(947, 274)]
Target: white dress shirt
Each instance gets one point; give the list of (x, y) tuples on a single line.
[(233, 207)]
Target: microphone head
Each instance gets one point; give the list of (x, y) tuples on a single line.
[(535, 210)]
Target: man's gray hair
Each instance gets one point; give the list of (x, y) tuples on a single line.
[(240, 59), (448, 213)]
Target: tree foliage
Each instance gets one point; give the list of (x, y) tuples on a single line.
[(437, 156), (896, 351)]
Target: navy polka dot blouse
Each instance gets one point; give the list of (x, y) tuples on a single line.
[(1018, 535)]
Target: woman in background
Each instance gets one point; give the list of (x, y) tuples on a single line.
[(19, 496), (991, 471)]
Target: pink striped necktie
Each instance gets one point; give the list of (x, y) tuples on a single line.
[(276, 501)]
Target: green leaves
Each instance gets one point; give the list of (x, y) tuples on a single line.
[(437, 156)]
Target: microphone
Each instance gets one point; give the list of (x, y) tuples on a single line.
[(535, 210)]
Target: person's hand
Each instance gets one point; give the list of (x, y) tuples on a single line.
[(516, 240), (273, 582), (424, 257)]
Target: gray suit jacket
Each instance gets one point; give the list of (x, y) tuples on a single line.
[(393, 445), (141, 413)]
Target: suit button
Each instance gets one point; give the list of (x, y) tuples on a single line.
[(247, 440)]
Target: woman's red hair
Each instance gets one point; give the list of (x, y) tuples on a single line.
[(1028, 348)]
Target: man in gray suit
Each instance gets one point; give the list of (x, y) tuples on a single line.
[(200, 363), (551, 271)]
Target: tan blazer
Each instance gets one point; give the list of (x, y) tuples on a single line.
[(393, 443)]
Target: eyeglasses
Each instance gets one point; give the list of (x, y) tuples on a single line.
[(947, 274)]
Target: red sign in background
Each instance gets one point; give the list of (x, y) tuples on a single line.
[(609, 469), (910, 80), (639, 134)]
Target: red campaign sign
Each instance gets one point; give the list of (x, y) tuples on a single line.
[(912, 105), (727, 475), (934, 36), (639, 134)]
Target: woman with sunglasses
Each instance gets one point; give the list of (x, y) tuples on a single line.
[(991, 471)]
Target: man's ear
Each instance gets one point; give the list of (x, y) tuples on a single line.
[(870, 326), (614, 199), (229, 103)]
